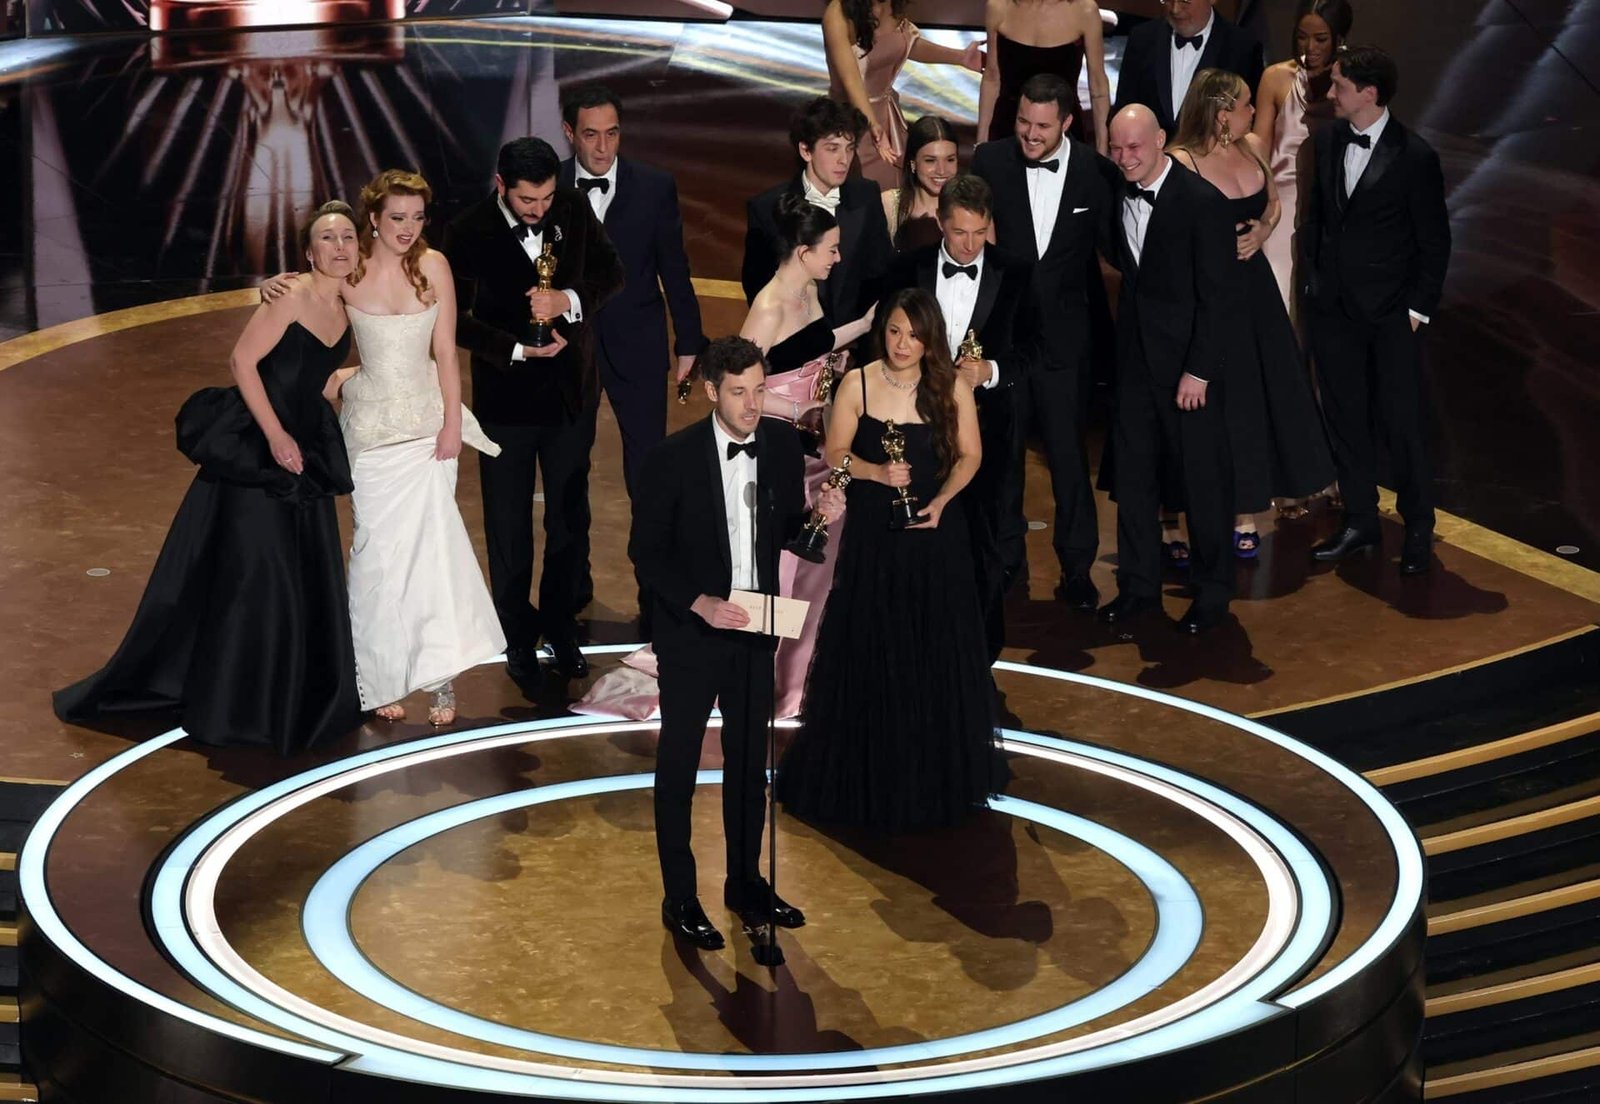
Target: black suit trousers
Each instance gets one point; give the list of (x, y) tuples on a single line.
[(739, 672), (1147, 426), (1371, 379), (1056, 403), (558, 456), (640, 406)]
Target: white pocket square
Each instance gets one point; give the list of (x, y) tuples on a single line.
[(1079, 210)]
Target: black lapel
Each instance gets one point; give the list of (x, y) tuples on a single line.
[(1330, 168), (928, 272), (505, 240), (1078, 163), (626, 184), (568, 176), (763, 523), (1016, 182), (1384, 154), (1171, 188), (714, 468), (988, 292), (1163, 60), (1211, 48), (852, 218)]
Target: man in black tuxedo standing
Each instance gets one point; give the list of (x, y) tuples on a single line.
[(825, 133), (1173, 241), (979, 291), (717, 502), (538, 403), (1374, 243), (1050, 199), (1163, 55), (638, 206)]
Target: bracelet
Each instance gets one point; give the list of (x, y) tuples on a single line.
[(796, 404)]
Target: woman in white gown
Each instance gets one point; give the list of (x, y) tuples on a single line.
[(420, 613)]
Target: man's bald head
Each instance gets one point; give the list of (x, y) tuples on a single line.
[(1136, 143)]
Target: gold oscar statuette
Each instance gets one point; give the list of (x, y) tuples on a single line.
[(903, 508), (545, 266), (969, 348), (811, 543)]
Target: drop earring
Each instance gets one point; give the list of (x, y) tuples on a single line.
[(374, 231)]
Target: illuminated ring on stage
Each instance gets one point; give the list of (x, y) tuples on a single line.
[(1269, 993), (326, 915)]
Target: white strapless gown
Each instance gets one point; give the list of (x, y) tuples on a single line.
[(420, 613)]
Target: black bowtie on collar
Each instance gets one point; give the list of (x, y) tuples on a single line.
[(1053, 165), (1180, 41), (951, 268), (746, 447), (590, 182), (1353, 139), (1137, 193), (525, 230)]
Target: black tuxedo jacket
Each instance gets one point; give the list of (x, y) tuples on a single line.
[(1177, 300), (492, 276), (865, 248), (679, 542), (1002, 314), (1384, 249), (645, 226), (1059, 305), (1146, 74)]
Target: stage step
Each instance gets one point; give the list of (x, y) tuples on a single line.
[(22, 800), (13, 1087), (1530, 1010), (1535, 1075)]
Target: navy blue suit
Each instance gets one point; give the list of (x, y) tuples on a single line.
[(646, 227)]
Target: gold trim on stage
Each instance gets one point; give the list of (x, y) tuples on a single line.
[(1513, 990), (40, 342), (1485, 753), (1478, 1080), (1511, 827), (1512, 909)]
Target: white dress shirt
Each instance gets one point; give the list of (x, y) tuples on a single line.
[(533, 245), (1044, 195), (1185, 63), (1356, 160), (1136, 213), (737, 474), (958, 297), (599, 201), (827, 200)]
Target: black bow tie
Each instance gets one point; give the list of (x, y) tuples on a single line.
[(747, 447), (526, 230), (1354, 139), (951, 268), (1137, 193), (590, 182), (1179, 41), (1054, 164)]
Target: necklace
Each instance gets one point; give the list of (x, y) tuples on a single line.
[(896, 384)]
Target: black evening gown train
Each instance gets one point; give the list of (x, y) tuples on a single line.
[(244, 627), (897, 727)]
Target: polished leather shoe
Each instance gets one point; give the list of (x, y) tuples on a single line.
[(1078, 593), (1346, 542), (1416, 554), (522, 664), (686, 920), (1125, 607), (1202, 618), (570, 661), (756, 903)]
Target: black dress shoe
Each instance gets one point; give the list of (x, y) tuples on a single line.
[(570, 661), (1202, 618), (1078, 593), (522, 664), (756, 903), (1125, 607), (1347, 542), (686, 920), (1416, 554)]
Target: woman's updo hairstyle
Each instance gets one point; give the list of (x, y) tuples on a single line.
[(801, 223)]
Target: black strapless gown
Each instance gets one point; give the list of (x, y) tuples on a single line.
[(244, 628), (897, 727), (1280, 446), (917, 232), (1018, 62)]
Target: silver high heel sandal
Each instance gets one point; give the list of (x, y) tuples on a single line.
[(442, 706)]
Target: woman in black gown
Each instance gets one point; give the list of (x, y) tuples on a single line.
[(897, 729), (1051, 36), (1280, 449), (244, 627)]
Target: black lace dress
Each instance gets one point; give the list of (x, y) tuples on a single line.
[(897, 729), (244, 628)]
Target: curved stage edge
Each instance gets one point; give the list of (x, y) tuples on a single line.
[(1266, 938)]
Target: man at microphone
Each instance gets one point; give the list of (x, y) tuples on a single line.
[(718, 501)]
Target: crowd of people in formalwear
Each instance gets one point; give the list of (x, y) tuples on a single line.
[(1276, 240)]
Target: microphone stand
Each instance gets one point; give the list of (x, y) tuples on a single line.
[(764, 939)]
